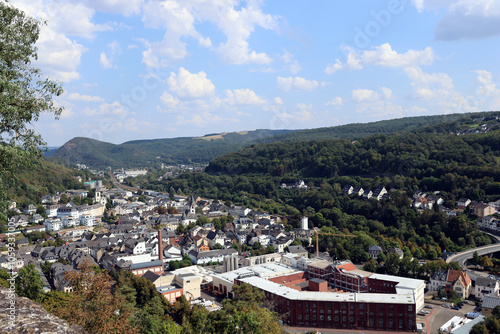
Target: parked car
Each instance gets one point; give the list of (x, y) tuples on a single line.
[(455, 308), (446, 306), (429, 306)]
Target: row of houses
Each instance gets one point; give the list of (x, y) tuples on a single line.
[(379, 193)]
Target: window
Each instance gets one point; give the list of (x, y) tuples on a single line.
[(314, 304), (321, 317), (351, 306), (314, 316), (300, 304), (307, 316), (381, 322), (329, 318), (410, 308), (361, 306), (299, 316)]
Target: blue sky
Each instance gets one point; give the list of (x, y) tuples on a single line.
[(144, 69)]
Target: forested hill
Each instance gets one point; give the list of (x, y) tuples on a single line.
[(360, 130), (201, 150), (43, 178), (426, 156), (142, 153)]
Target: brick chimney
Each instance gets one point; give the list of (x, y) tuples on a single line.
[(160, 246)]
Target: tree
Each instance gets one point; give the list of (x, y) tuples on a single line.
[(94, 306), (370, 265), (29, 283), (24, 95), (475, 259), (479, 329), (486, 262)]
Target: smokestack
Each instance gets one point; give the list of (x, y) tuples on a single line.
[(160, 248)]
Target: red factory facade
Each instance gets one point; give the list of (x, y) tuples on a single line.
[(351, 311)]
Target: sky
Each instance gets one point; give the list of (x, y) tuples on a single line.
[(147, 69)]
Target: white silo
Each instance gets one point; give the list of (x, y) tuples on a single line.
[(305, 224)]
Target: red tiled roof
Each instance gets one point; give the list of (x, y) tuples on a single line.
[(347, 267), (454, 275)]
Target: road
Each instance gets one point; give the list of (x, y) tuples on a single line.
[(462, 257), (121, 185)]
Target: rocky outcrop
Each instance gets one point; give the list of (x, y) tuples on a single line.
[(31, 318)]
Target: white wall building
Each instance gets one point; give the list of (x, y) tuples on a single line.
[(53, 224)]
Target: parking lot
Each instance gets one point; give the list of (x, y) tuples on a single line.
[(439, 315)]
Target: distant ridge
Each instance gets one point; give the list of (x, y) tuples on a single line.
[(201, 150), (153, 152)]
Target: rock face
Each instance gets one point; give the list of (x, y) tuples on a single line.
[(31, 318)]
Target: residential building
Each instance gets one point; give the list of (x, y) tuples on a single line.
[(451, 280), (53, 224), (482, 210), (486, 287), (374, 251)]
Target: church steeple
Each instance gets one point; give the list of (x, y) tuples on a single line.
[(192, 205)]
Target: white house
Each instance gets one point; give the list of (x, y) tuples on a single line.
[(70, 221), (199, 257), (88, 221), (51, 210), (135, 246), (53, 224), (67, 211), (486, 287)]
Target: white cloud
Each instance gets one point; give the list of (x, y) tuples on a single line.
[(382, 55), (114, 108), (464, 19), (58, 55), (437, 89), (190, 85), (170, 102), (296, 84), (105, 61), (364, 95), (179, 18), (487, 95), (84, 98), (371, 103), (293, 64), (243, 97), (336, 102), (126, 8), (387, 92), (421, 79)]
